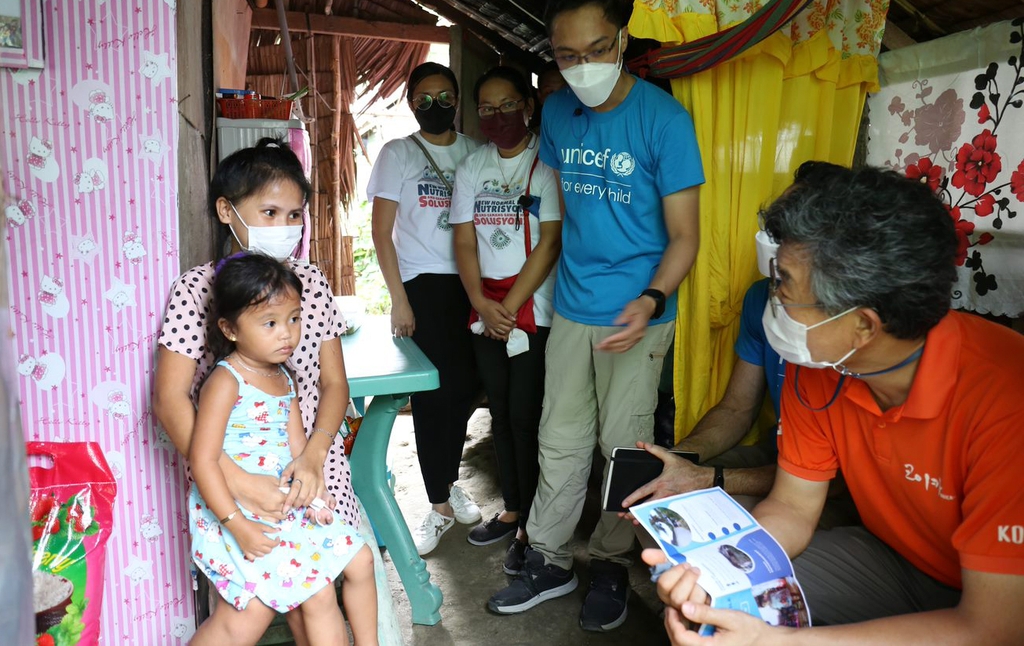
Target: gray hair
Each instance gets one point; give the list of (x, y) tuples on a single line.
[(875, 239)]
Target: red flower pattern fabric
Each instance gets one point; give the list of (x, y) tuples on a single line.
[(977, 164), (927, 172), (972, 162)]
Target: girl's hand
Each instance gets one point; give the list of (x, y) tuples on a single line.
[(497, 336), (259, 494), (498, 321), (403, 323), (322, 515), (305, 477), (252, 536)]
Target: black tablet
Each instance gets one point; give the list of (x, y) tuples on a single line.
[(631, 468)]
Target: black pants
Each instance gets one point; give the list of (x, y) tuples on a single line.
[(439, 417), (515, 392)]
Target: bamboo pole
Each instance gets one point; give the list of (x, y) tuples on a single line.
[(336, 209)]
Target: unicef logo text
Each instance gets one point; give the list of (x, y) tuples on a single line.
[(622, 164)]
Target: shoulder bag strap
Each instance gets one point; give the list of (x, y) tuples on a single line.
[(526, 214), (433, 163)]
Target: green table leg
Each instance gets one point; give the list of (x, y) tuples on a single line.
[(370, 483)]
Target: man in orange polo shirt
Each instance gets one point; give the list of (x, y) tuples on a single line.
[(922, 410)]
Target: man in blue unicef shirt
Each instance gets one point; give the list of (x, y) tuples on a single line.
[(626, 157)]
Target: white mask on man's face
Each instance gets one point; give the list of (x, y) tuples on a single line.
[(277, 242), (593, 82), (789, 338)]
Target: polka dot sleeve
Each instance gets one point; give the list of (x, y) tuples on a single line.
[(184, 327)]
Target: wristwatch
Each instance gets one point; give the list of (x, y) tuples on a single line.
[(659, 301), (719, 480)]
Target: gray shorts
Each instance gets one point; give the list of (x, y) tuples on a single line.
[(849, 575)]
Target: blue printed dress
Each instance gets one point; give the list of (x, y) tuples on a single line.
[(307, 557)]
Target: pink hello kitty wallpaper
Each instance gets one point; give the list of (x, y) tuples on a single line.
[(89, 173)]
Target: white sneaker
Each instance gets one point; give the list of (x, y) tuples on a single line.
[(429, 533), (465, 509)]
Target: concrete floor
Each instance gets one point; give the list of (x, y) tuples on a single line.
[(468, 575)]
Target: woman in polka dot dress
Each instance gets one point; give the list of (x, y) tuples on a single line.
[(257, 197)]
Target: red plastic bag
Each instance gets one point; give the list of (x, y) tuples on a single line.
[(71, 508)]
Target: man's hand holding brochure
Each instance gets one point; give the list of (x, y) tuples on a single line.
[(727, 553)]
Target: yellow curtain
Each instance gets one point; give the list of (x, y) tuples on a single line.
[(796, 96)]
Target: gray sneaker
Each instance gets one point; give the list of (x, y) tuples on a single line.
[(535, 584), (430, 531), (604, 608), (515, 557), (466, 511)]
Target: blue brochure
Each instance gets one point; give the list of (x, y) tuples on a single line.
[(741, 566)]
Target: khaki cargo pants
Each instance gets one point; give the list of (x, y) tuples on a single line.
[(589, 398)]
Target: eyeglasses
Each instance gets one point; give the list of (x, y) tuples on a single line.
[(569, 60), (444, 99), (774, 281), (487, 111)]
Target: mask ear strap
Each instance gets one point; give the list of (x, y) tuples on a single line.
[(238, 216)]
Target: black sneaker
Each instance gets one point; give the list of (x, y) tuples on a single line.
[(491, 531), (535, 584), (514, 557), (605, 606)]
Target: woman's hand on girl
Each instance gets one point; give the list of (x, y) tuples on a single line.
[(305, 477), (260, 494), (252, 537), (403, 323)]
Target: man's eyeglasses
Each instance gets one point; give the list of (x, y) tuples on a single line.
[(444, 99), (569, 60), (487, 111), (774, 281)]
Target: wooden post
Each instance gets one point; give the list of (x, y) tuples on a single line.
[(193, 20), (315, 203), (335, 201)]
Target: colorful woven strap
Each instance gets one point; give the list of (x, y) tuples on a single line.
[(702, 54)]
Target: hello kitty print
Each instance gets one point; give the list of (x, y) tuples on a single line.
[(308, 556), (89, 190)]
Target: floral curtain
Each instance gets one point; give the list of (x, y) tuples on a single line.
[(797, 95), (949, 113)]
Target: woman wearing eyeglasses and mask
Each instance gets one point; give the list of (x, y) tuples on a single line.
[(411, 188), (508, 228)]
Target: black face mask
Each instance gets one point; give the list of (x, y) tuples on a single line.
[(435, 120)]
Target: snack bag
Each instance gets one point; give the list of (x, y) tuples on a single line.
[(349, 428), (71, 507)]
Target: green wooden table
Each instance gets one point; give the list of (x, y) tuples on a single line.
[(388, 370)]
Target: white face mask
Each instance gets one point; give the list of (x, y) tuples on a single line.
[(276, 242), (593, 82), (789, 338)]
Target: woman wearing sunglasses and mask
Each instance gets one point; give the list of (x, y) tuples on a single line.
[(508, 228), (411, 188)]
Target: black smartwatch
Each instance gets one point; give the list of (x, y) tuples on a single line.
[(719, 480), (659, 301)]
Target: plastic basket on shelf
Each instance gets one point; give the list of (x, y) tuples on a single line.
[(247, 108)]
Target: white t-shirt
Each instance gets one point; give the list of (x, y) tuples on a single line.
[(487, 190), (422, 234)]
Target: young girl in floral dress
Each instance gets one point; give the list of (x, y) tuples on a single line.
[(248, 411)]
